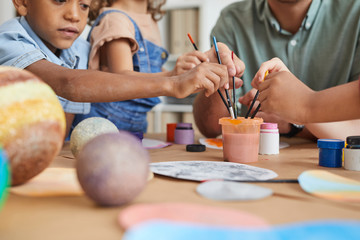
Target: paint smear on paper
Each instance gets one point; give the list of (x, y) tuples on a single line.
[(335, 229), (52, 182), (215, 143), (189, 213), (154, 144), (330, 186)]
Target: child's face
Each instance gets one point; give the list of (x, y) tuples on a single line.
[(57, 22)]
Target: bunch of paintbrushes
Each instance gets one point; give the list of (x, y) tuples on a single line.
[(253, 102), (227, 102)]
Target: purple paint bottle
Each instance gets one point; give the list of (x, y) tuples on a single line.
[(184, 133)]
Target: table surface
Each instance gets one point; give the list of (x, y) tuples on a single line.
[(79, 218)]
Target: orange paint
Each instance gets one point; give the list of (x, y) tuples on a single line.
[(214, 142)]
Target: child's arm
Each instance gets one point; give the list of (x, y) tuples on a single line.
[(117, 54), (189, 60), (98, 86), (289, 98)]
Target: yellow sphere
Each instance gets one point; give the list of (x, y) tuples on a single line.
[(32, 123), (88, 129)]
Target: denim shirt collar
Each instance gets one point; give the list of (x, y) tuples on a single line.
[(68, 58), (264, 13)]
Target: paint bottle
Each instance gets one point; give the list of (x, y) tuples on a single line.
[(184, 133), (170, 132), (330, 152), (269, 139), (352, 153)]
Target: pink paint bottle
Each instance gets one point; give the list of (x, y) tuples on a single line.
[(184, 133), (269, 139), (241, 139)]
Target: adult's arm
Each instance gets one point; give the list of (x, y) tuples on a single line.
[(207, 112)]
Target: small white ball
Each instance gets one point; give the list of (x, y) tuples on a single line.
[(87, 130)]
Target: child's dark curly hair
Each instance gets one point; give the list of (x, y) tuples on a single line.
[(154, 8)]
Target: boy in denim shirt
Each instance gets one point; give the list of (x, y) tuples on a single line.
[(45, 40)]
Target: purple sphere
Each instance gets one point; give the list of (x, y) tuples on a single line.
[(113, 168)]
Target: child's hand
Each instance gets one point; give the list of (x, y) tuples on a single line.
[(286, 96), (235, 66), (248, 98), (273, 65), (207, 76), (188, 61)]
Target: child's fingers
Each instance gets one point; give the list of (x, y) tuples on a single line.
[(238, 82), (218, 76), (209, 87), (235, 66), (273, 65), (248, 97), (199, 56), (185, 66), (260, 76), (239, 65), (222, 72)]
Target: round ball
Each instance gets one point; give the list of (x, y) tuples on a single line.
[(113, 168), (88, 129), (32, 133)]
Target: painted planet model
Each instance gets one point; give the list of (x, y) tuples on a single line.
[(87, 129), (113, 168), (32, 123)]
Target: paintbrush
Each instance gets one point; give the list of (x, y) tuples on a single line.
[(222, 97), (226, 91), (252, 104), (192, 41), (257, 181), (256, 110), (253, 101), (234, 96), (267, 181)]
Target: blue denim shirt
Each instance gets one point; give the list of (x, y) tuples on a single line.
[(130, 115), (20, 47)]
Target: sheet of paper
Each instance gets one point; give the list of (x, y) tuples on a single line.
[(232, 191), (211, 170)]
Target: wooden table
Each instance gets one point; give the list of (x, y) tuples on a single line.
[(79, 218)]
